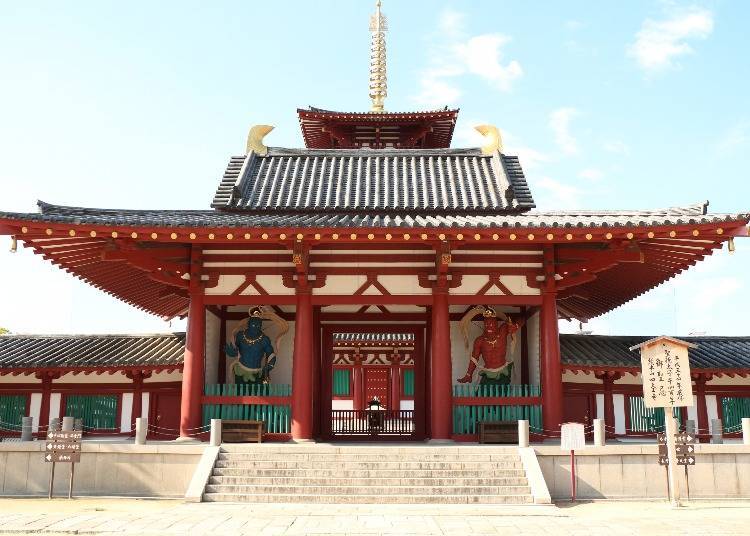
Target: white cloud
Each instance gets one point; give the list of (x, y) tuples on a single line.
[(559, 122), (591, 174), (658, 43), (735, 138), (617, 147), (454, 54), (551, 193)]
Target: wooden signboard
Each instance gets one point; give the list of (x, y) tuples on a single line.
[(665, 370)]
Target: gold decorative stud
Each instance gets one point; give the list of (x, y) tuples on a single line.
[(550, 236), (407, 236), (568, 236), (589, 236), (133, 235), (353, 236), (192, 236), (211, 236), (630, 236), (719, 231), (247, 236), (672, 233), (173, 236), (495, 236), (282, 236), (317, 236), (48, 232), (114, 234), (155, 236), (300, 236), (530, 236), (388, 236), (71, 232), (696, 232), (335, 236), (423, 236), (650, 234), (608, 236), (512, 236), (92, 234), (24, 229), (264, 236)]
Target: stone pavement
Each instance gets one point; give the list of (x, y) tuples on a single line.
[(151, 517)]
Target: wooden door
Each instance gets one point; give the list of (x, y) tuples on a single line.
[(164, 416), (376, 385), (578, 407)]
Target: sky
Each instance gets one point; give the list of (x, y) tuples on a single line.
[(609, 105)]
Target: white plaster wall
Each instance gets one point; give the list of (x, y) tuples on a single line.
[(692, 411), (117, 377), (600, 405), (35, 410), (402, 284), (126, 413), (54, 406), (19, 379), (407, 405), (145, 399), (341, 284), (581, 377), (175, 376), (342, 404), (713, 411), (619, 404), (213, 329), (282, 373)]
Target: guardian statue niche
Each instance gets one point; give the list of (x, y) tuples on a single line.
[(491, 346), (251, 350)]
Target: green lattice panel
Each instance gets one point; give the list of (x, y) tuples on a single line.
[(97, 411), (341, 379), (12, 409)]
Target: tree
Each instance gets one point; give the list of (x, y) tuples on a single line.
[(4, 331)]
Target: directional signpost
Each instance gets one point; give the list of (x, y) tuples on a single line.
[(665, 370), (63, 447)]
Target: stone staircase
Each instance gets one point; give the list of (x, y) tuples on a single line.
[(368, 474)]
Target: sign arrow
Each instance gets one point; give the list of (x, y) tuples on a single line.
[(49, 446), (48, 457)]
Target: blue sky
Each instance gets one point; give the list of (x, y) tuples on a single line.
[(609, 105)]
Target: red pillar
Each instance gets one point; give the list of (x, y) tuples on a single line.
[(193, 367), (358, 384), (441, 396), (46, 395), (302, 366), (551, 371), (609, 406), (137, 378), (395, 396), (701, 409)]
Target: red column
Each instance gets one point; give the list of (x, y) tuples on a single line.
[(701, 409), (193, 367), (302, 366), (358, 384), (441, 396), (552, 392), (46, 392), (609, 406), (395, 396), (137, 377)]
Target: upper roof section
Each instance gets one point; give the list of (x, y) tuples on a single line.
[(410, 181), (325, 129), (72, 352)]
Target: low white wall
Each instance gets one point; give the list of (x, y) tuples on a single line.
[(159, 470), (632, 471)]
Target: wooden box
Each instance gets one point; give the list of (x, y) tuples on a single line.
[(498, 432), (241, 431)]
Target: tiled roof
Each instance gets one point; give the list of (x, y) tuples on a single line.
[(85, 351), (378, 338), (414, 181), (693, 214), (613, 351)]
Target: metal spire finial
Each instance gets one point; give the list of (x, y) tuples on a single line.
[(378, 78)]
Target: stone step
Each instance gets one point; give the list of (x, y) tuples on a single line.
[(371, 473), (375, 457), (387, 449), (367, 490), (365, 481), (366, 465), (367, 499)]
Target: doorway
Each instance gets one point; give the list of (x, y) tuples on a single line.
[(373, 383)]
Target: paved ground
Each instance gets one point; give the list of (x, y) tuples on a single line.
[(128, 516)]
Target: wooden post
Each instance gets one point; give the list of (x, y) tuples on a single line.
[(395, 387), (701, 409), (193, 368), (441, 398), (551, 370), (302, 365), (358, 384)]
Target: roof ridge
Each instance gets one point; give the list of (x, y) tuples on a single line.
[(89, 335)]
